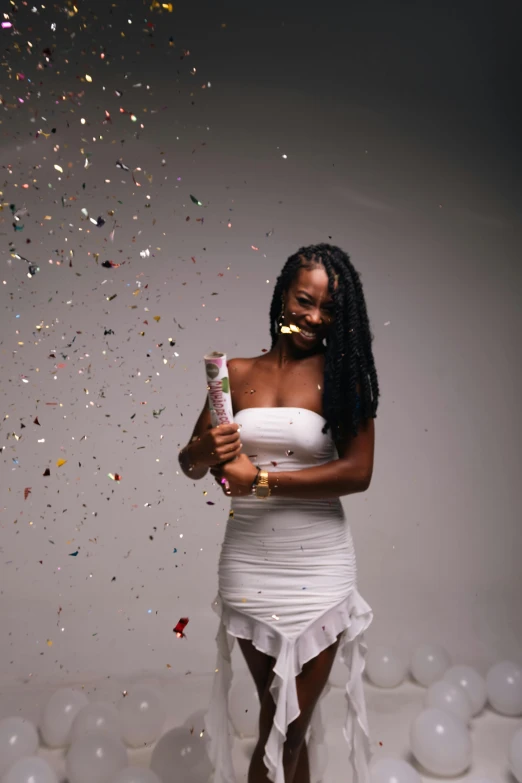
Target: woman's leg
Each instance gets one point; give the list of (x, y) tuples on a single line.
[(302, 771), (257, 772)]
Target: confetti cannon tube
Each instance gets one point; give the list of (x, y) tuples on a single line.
[(219, 397), (218, 384)]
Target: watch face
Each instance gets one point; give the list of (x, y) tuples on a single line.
[(262, 492)]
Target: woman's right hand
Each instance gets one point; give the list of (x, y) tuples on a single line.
[(218, 445)]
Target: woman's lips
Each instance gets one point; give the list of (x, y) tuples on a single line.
[(306, 337)]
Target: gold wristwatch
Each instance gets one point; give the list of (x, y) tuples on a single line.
[(261, 488)]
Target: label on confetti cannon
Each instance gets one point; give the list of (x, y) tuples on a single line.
[(218, 384), (219, 397)]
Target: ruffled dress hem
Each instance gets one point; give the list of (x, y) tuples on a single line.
[(350, 618)]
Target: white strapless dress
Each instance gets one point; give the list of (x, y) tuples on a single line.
[(288, 582)]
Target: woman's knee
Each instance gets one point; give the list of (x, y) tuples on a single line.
[(296, 733)]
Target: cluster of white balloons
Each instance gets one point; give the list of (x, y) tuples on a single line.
[(440, 739), (97, 735)]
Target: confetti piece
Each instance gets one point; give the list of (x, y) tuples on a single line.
[(58, 168), (114, 476), (27, 492), (73, 554), (49, 643), (178, 629), (157, 6), (195, 200), (60, 462)]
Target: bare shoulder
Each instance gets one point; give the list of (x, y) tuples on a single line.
[(238, 366), (237, 369), (241, 378)]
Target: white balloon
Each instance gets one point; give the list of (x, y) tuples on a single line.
[(472, 682), (441, 742), (59, 714), (136, 775), (143, 715), (196, 723), (99, 716), (428, 663), (389, 770), (180, 756), (95, 758), (449, 697), (504, 688), (515, 755), (243, 705), (18, 738), (199, 773), (386, 666), (30, 770)]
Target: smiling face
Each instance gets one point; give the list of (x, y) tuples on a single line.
[(309, 306)]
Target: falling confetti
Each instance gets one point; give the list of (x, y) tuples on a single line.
[(76, 122), (178, 629)]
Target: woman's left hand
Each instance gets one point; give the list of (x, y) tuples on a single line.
[(240, 474)]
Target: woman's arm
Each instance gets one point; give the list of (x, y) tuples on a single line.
[(331, 480), (351, 473), (188, 456), (188, 461)]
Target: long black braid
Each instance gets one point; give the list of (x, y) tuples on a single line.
[(348, 356)]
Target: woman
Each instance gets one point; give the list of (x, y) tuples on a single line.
[(287, 570)]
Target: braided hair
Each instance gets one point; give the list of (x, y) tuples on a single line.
[(348, 356)]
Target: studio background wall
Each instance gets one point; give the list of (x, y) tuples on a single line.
[(339, 133)]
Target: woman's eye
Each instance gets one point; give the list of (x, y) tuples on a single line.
[(329, 310)]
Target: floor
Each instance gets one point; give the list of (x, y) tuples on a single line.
[(390, 713)]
